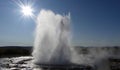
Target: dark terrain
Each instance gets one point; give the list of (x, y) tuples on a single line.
[(10, 51)]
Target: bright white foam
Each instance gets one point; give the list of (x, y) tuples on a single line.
[(52, 40)]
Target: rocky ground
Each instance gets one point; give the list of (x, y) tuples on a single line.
[(16, 63), (26, 63)]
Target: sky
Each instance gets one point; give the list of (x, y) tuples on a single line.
[(93, 22)]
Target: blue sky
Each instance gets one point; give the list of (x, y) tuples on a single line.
[(94, 22)]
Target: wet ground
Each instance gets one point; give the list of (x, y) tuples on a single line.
[(26, 63), (16, 63)]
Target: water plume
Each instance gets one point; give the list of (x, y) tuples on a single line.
[(52, 38)]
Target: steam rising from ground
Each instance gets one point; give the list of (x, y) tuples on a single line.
[(52, 40), (53, 44)]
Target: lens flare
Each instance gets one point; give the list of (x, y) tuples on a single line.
[(27, 10), (25, 7)]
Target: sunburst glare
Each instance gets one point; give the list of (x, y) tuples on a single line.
[(27, 10)]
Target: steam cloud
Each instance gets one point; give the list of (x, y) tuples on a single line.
[(52, 39)]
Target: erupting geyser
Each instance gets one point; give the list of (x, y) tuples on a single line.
[(52, 39)]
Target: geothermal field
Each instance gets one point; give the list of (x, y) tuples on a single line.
[(86, 58), (59, 34)]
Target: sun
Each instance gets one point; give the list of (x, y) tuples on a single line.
[(27, 10)]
